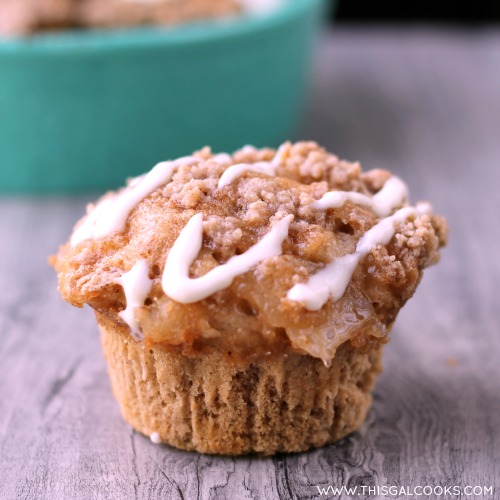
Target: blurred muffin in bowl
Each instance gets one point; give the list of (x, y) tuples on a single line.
[(22, 17), (86, 108)]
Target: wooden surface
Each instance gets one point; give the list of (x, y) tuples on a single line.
[(423, 103)]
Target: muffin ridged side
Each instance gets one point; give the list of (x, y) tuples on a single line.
[(211, 404)]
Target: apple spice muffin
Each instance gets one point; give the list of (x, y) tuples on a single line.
[(243, 300), (24, 17)]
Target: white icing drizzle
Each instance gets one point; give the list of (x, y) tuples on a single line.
[(155, 438), (113, 216), (176, 281), (394, 193), (85, 230), (235, 171), (335, 276), (223, 159), (260, 167), (136, 285), (280, 154)]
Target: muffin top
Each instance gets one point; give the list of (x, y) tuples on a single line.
[(254, 253)]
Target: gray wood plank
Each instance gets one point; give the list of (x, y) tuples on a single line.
[(423, 103)]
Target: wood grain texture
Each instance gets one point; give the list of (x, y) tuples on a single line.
[(425, 104)]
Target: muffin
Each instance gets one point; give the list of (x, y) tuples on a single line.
[(243, 300), (23, 17)]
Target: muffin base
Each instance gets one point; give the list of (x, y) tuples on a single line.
[(209, 403)]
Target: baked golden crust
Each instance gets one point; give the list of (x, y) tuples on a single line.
[(283, 403), (253, 316), (23, 17)]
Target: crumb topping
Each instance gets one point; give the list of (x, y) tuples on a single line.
[(253, 315)]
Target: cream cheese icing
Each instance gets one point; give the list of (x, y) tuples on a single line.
[(85, 230), (260, 167), (235, 171), (179, 286), (394, 193), (155, 438), (136, 285), (223, 159), (334, 278), (112, 218)]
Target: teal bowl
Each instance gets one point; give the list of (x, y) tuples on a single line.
[(83, 110)]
